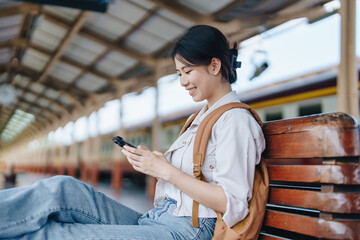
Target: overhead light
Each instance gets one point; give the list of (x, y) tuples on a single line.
[(16, 125)]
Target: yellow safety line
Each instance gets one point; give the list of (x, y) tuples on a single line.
[(297, 97)]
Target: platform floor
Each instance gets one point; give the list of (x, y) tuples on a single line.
[(132, 194)]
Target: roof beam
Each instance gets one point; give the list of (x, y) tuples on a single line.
[(52, 101), (20, 69), (96, 37), (227, 8), (179, 9), (196, 17), (63, 58), (137, 25), (20, 9), (52, 113), (23, 70), (7, 44), (250, 28), (25, 30), (66, 41)]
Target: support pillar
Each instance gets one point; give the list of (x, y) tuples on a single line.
[(61, 166), (84, 172), (118, 157), (347, 82), (71, 170), (72, 162), (84, 165), (116, 176), (155, 139), (51, 161), (94, 153), (95, 161)]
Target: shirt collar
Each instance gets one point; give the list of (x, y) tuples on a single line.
[(228, 98)]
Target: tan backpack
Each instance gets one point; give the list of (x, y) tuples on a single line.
[(249, 227)]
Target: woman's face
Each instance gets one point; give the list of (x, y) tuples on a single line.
[(201, 82)]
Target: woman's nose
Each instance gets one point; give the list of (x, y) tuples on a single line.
[(183, 81)]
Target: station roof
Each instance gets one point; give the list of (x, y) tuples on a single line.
[(65, 63)]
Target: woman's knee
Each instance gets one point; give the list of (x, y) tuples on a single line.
[(62, 179), (61, 182)]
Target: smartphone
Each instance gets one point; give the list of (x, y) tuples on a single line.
[(121, 142)]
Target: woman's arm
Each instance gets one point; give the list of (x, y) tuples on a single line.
[(156, 165)]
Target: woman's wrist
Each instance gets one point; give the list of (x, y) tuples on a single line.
[(169, 171)]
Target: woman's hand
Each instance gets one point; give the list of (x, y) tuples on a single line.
[(143, 160), (155, 164)]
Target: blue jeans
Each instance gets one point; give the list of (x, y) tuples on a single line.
[(62, 207)]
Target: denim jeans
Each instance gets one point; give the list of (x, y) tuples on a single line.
[(62, 207)]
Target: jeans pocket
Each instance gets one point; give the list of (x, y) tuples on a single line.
[(161, 208), (206, 229), (209, 223)]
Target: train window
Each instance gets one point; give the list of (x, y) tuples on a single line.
[(107, 149), (140, 139), (169, 135), (271, 116), (310, 109)]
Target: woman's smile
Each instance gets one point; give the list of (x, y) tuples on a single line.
[(191, 91)]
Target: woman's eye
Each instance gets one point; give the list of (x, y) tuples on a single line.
[(187, 73)]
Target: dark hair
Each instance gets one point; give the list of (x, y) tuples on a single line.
[(201, 44)]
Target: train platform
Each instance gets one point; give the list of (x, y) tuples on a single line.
[(133, 194)]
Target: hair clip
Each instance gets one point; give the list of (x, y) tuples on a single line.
[(235, 64)]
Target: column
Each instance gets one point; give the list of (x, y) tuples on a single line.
[(347, 82), (94, 152), (155, 138), (84, 165), (62, 156), (96, 148), (72, 160), (117, 157)]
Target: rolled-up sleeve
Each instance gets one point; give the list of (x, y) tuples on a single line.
[(239, 144)]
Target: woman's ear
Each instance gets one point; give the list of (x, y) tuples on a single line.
[(215, 66)]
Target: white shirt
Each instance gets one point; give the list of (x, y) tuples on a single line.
[(234, 148)]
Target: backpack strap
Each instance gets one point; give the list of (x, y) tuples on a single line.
[(201, 141), (188, 122)]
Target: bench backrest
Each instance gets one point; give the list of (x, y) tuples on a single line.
[(314, 170)]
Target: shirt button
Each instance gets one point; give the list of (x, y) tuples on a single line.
[(184, 142), (211, 166)]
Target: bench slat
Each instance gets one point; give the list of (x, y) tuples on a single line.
[(336, 174), (310, 144), (326, 202), (332, 229), (310, 123), (294, 161)]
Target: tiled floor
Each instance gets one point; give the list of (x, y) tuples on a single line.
[(132, 195)]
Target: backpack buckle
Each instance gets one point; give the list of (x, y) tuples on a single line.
[(197, 170)]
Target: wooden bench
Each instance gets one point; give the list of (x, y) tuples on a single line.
[(314, 171)]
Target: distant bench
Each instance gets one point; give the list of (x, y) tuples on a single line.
[(314, 170)]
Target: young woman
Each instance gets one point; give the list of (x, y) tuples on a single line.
[(65, 208)]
